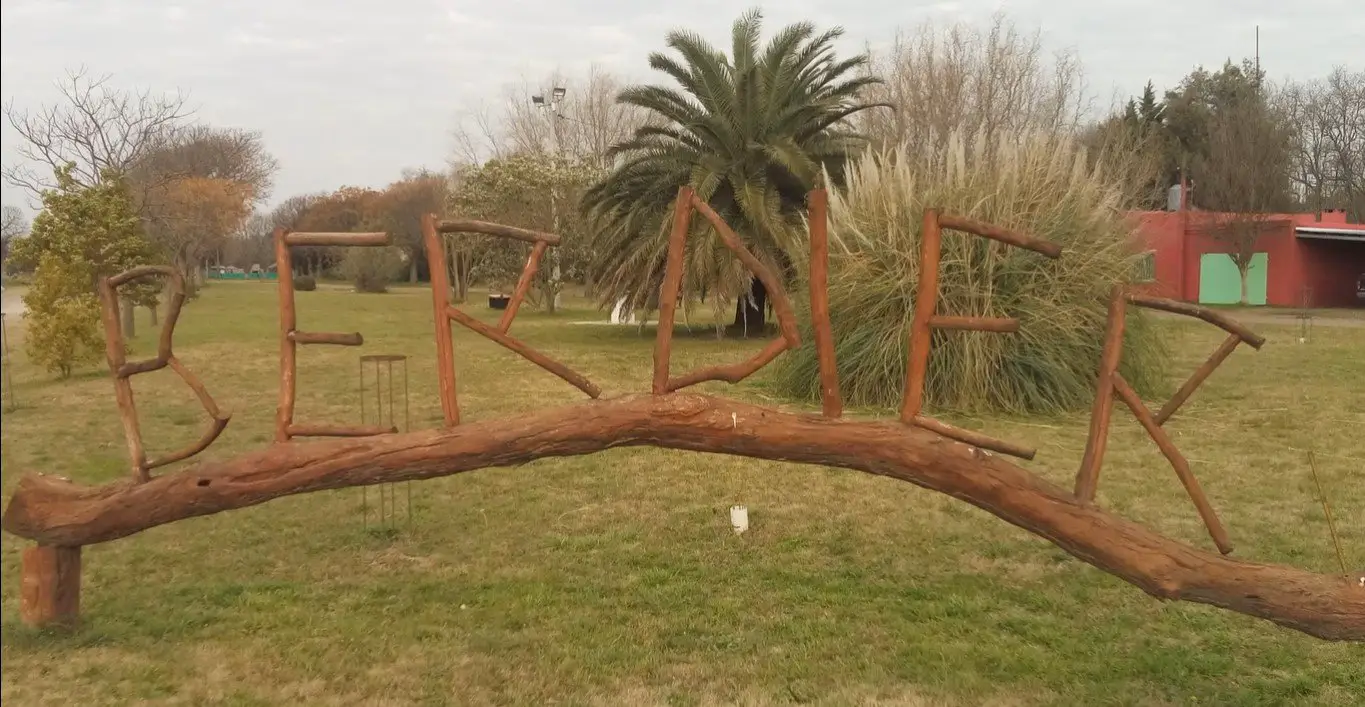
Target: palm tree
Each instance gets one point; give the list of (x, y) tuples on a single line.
[(751, 134)]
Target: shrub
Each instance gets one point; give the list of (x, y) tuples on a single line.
[(82, 234), (305, 283), (1039, 185), (371, 269), (63, 321)]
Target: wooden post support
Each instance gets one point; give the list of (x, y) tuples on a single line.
[(926, 301), (528, 274), (668, 296), (284, 272), (1088, 475), (831, 404), (440, 302), (1224, 350), (50, 593)]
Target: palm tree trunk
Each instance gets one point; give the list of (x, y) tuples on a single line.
[(751, 312)]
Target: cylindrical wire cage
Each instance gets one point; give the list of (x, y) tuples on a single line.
[(377, 372)]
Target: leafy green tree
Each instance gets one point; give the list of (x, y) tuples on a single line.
[(82, 234), (529, 190), (751, 133)]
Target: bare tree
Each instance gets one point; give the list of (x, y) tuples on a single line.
[(1328, 119), (1303, 108), (95, 127), (399, 209), (209, 152), (196, 187), (15, 225), (978, 81), (1246, 173), (251, 245), (290, 213), (587, 122)]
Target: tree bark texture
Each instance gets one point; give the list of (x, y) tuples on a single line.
[(57, 512), (127, 320)]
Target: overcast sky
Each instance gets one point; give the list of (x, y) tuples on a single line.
[(350, 92)]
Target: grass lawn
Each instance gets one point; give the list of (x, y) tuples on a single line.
[(615, 578)]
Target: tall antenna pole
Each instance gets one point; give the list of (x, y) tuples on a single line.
[(1258, 57)]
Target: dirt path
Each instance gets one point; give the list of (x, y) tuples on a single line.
[(12, 303)]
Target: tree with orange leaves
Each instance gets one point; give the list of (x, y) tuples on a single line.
[(196, 215)]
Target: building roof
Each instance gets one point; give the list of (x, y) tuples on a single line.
[(1348, 232)]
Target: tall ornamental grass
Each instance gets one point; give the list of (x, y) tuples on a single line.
[(1038, 184)]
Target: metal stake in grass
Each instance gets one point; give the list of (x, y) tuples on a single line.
[(382, 368), (1327, 511), (1305, 315)]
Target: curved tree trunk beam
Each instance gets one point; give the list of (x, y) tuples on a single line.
[(731, 373), (217, 420), (998, 233), (465, 225), (53, 511), (1216, 318)]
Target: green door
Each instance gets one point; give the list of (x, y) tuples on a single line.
[(1220, 283)]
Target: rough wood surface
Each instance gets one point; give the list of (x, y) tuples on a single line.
[(1178, 462), (777, 294), (528, 273), (465, 225), (998, 233), (337, 239), (50, 586), (123, 371), (333, 338), (831, 403), (569, 375), (57, 512), (1088, 476), (123, 388), (729, 373), (284, 272), (668, 294), (440, 302), (976, 439), (1197, 378), (217, 420), (926, 300), (1215, 318)]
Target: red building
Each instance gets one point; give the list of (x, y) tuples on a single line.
[(1301, 259)]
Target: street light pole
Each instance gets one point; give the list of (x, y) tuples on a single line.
[(553, 105)]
